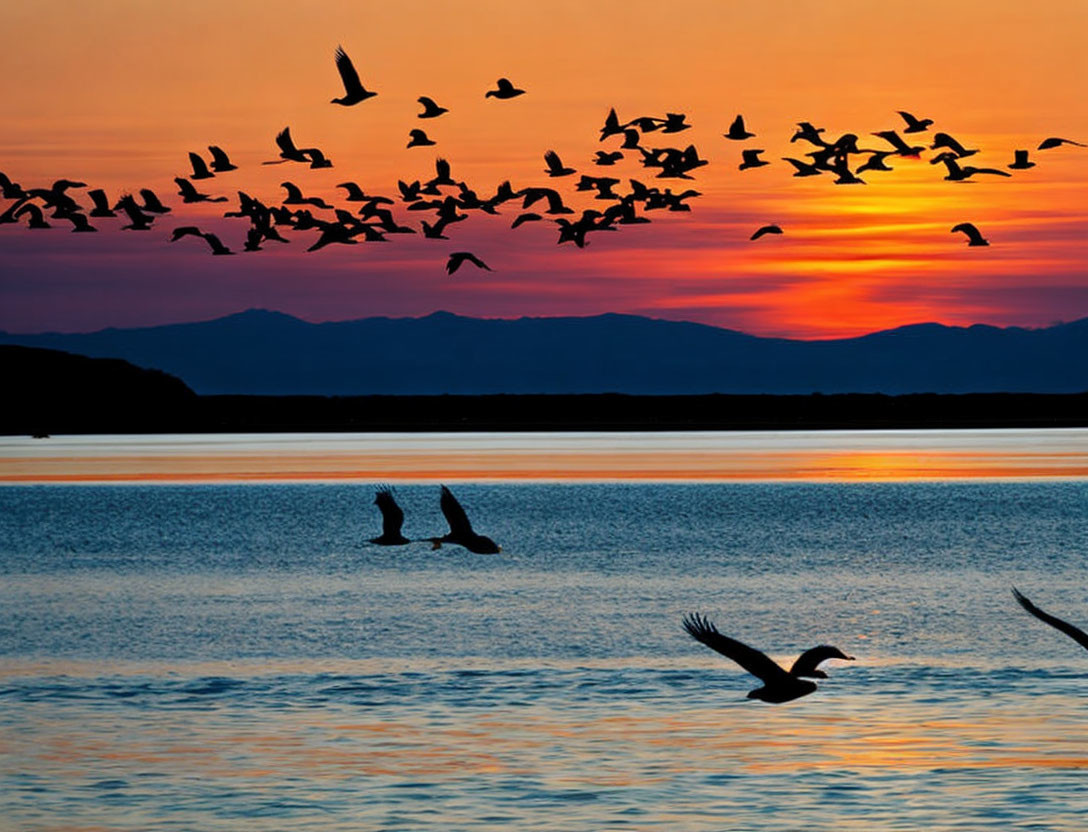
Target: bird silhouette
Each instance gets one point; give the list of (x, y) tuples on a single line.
[(956, 173), (914, 125), (417, 138), (9, 189), (901, 147), (430, 108), (220, 161), (1020, 160), (503, 90), (1078, 635), (392, 519), (524, 218), (138, 220), (875, 161), (190, 194), (974, 236), (751, 159), (674, 123), (36, 219), (295, 197), (200, 167), (943, 140), (288, 151), (803, 168), (806, 132), (80, 223), (737, 132), (766, 229), (555, 165), (152, 203), (612, 126), (354, 92), (605, 158), (212, 240), (101, 204), (459, 257), (461, 532), (1054, 141), (779, 685)]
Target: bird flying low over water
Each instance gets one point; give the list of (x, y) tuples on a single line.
[(392, 519), (1078, 635), (974, 236), (1053, 141), (779, 685), (354, 92), (503, 90), (459, 257), (461, 532), (766, 229)]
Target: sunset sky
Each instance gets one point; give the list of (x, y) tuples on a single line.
[(115, 94)]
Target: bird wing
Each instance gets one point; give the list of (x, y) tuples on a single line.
[(455, 515), (552, 160), (476, 261), (752, 660), (219, 156), (286, 143), (968, 229), (348, 75), (199, 167), (392, 514), (811, 659), (442, 168), (1078, 635)]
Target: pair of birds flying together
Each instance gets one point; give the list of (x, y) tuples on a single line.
[(781, 685), (460, 533)]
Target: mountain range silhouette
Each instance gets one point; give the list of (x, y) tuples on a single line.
[(259, 352)]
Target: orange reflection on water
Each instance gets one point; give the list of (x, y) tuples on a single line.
[(484, 464)]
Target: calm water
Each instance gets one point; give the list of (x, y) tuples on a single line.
[(214, 657)]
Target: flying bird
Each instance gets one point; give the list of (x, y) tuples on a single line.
[(220, 161), (200, 167), (605, 158), (430, 108), (555, 165), (778, 685), (944, 140), (36, 218), (190, 194), (101, 204), (803, 168), (1053, 141), (524, 218), (504, 89), (1078, 635), (1020, 160), (417, 138), (295, 197), (9, 189), (974, 236), (901, 147), (914, 125), (354, 92), (751, 159), (392, 519), (461, 532), (766, 229), (452, 265), (737, 131)]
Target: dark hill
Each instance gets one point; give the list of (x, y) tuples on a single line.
[(46, 391), (269, 353)]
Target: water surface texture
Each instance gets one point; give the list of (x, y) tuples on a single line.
[(236, 657)]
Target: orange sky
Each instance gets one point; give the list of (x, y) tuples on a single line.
[(117, 93)]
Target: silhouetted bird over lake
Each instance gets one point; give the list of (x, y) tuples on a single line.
[(461, 532), (430, 108), (504, 89), (417, 138), (737, 131), (460, 257), (974, 236), (914, 125), (1054, 141), (1078, 635), (1020, 160), (766, 229), (392, 519), (354, 92), (779, 685)]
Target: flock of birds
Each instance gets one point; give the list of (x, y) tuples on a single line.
[(450, 200), (779, 685)]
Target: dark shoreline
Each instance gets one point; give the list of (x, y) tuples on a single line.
[(597, 412)]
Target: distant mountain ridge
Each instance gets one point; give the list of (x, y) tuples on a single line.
[(272, 353)]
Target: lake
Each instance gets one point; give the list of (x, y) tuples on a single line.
[(194, 633)]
